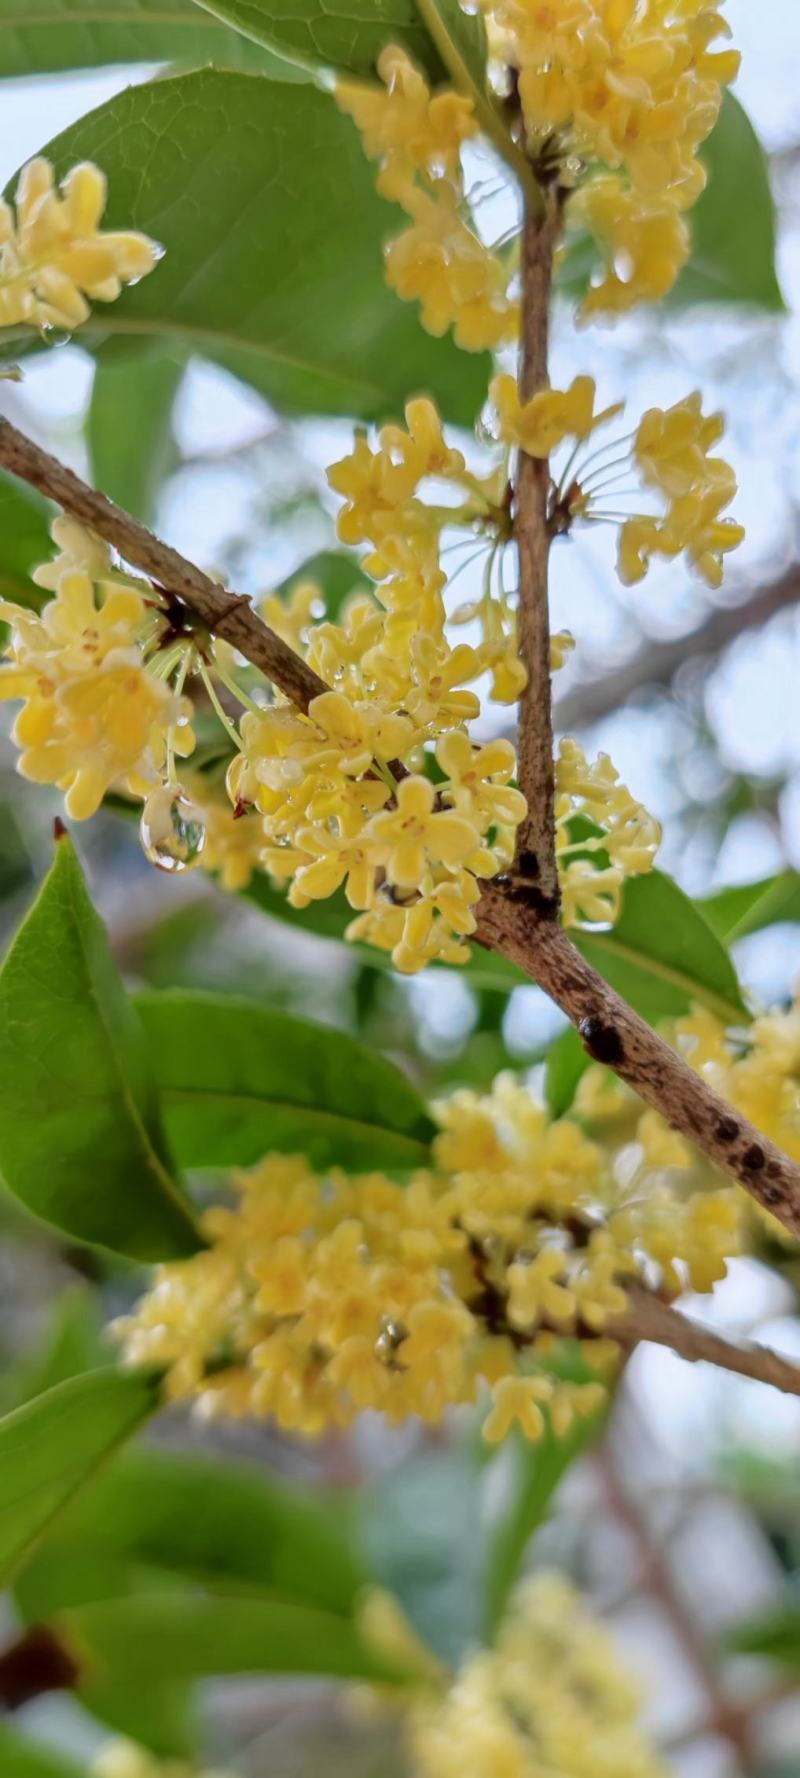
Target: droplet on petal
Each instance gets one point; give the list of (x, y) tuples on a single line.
[(172, 829)]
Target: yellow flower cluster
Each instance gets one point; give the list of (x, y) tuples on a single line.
[(343, 792), (379, 789), (603, 835), (53, 253), (93, 716), (670, 450), (319, 1298), (550, 1699), (439, 261), (631, 88), (124, 1759)]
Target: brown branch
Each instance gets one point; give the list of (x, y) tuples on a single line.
[(536, 857), (229, 615), (612, 1033), (727, 1718), (511, 913), (657, 663), (649, 1318)]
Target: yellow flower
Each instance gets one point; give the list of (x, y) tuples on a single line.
[(540, 424), (416, 835), (441, 264), (53, 255), (515, 1401), (650, 241), (405, 126), (478, 780)]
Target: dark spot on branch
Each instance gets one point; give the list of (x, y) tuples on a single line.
[(726, 1130), (602, 1042), (525, 893), (754, 1158), (528, 863)]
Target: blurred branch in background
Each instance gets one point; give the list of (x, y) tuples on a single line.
[(657, 663)]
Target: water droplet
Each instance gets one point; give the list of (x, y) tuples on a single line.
[(54, 336), (388, 1343), (172, 829)]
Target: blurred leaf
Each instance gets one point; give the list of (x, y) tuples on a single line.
[(421, 1533), (159, 1715), (20, 1757), (79, 1135), (251, 187), (237, 1079), (74, 1344), (16, 864), (536, 1471), (661, 955), (129, 429), (776, 1636), (24, 540), (208, 1520), (170, 1637), (567, 1061), (55, 35), (52, 1446), (749, 907), (350, 34), (733, 223), (336, 573)]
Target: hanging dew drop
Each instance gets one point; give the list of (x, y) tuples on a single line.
[(172, 829), (54, 336)]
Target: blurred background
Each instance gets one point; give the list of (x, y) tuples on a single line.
[(686, 1520)]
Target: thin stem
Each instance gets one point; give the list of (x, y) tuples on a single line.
[(180, 682), (237, 691), (486, 112), (224, 718), (536, 858)]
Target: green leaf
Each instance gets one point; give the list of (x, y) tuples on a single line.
[(51, 36), (733, 223), (349, 34), (749, 907), (776, 1636), (214, 1522), (335, 572), (661, 956), (567, 1061), (51, 1447), (237, 1079), (22, 1758), (74, 1344), (170, 1637), (129, 429), (159, 1716), (535, 1473), (24, 540), (265, 203), (79, 1135)]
